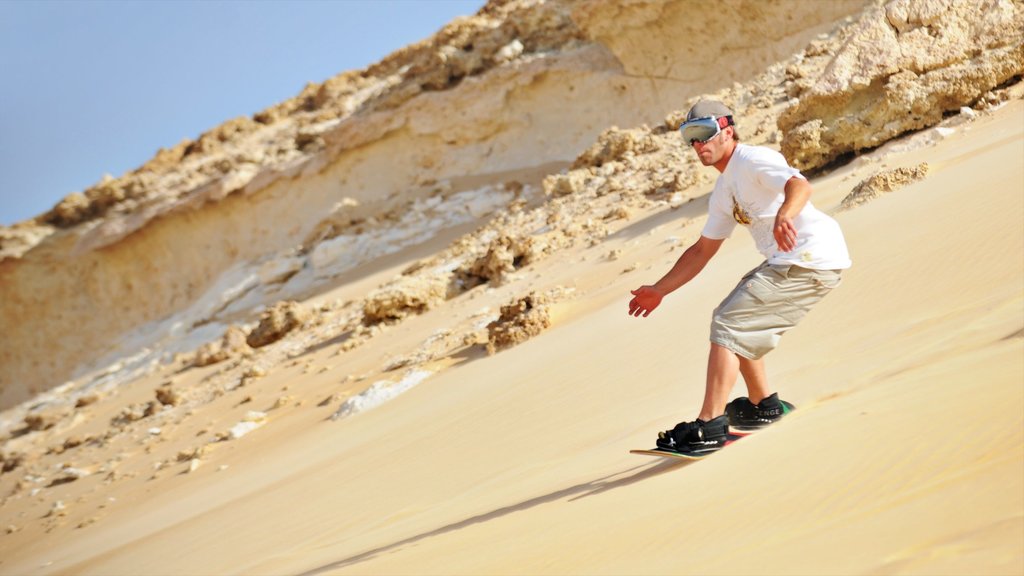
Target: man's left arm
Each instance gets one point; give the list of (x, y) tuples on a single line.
[(798, 192)]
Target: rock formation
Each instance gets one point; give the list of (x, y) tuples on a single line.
[(881, 183), (406, 295), (279, 320), (233, 343), (901, 67), (519, 321)]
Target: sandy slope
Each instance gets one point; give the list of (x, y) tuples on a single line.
[(905, 456)]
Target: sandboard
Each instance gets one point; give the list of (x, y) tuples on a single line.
[(734, 434), (685, 456)]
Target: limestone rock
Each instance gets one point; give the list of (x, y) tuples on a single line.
[(903, 66), (168, 396), (87, 399), (504, 255), (10, 460), (276, 322), (613, 144), (72, 209), (67, 474), (191, 454), (883, 182), (18, 239), (232, 344), (509, 52), (252, 420), (617, 213), (254, 371), (134, 412), (58, 509), (519, 321), (284, 401), (44, 419), (565, 184), (75, 441), (403, 297), (100, 199)]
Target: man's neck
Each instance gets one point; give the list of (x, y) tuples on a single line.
[(724, 161)]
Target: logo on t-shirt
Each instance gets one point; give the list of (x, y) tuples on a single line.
[(739, 214)]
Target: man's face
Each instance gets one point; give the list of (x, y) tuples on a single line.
[(711, 152)]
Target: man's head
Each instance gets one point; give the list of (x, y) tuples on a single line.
[(710, 131)]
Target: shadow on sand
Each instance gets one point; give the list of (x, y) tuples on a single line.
[(573, 493)]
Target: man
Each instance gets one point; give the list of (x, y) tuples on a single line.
[(804, 254)]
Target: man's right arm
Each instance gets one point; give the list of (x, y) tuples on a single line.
[(693, 260)]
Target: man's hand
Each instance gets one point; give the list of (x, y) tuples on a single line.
[(645, 300), (797, 191), (785, 233)]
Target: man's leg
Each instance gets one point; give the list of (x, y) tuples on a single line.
[(756, 379), (723, 369), (697, 437)]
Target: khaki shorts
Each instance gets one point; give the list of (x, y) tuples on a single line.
[(769, 300)]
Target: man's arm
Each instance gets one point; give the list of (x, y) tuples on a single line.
[(693, 260), (798, 191)]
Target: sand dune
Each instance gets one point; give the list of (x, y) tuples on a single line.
[(904, 457), (403, 447)]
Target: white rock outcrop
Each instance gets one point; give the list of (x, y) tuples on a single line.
[(903, 66)]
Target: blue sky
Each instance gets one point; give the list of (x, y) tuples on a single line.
[(93, 87)]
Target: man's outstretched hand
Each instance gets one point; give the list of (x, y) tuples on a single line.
[(645, 300)]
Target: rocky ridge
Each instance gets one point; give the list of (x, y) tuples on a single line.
[(342, 174), (225, 159)]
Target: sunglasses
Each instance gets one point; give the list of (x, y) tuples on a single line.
[(703, 129)]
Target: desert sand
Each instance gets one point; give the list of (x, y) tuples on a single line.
[(405, 446)]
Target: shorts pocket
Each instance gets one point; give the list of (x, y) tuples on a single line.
[(760, 291), (827, 279)]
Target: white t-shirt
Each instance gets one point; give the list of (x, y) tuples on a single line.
[(751, 190)]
